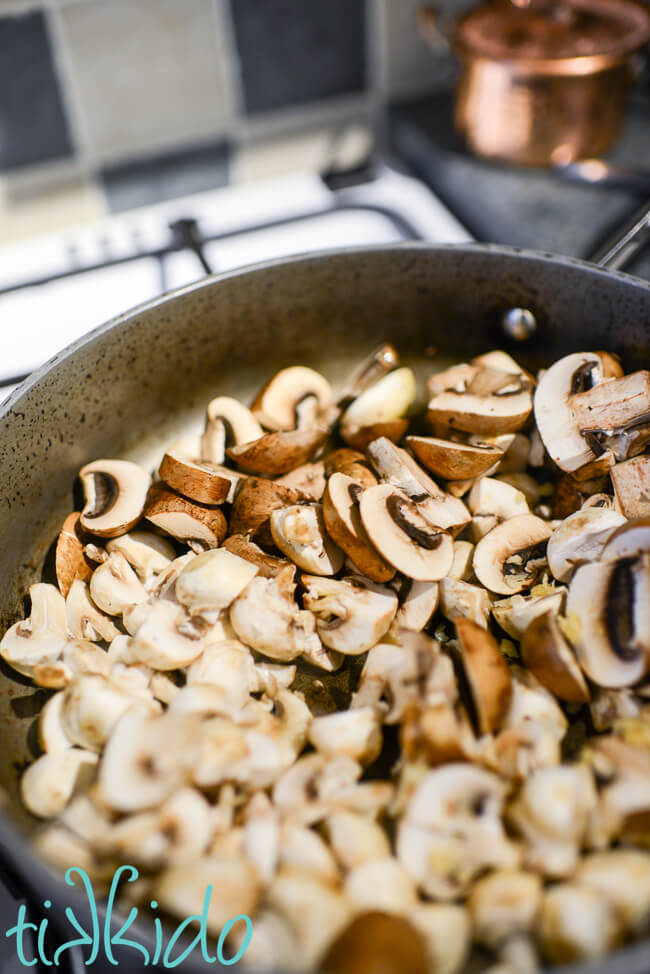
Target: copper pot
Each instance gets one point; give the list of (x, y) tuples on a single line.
[(545, 83)]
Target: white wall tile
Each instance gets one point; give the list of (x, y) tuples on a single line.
[(144, 75)]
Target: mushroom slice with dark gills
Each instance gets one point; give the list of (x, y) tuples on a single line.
[(275, 454), (488, 677), (556, 422), (115, 492), (608, 622), (451, 460), (344, 526), (501, 405), (227, 423), (299, 532), (403, 534), (352, 614), (295, 398), (510, 557), (395, 466), (550, 658)]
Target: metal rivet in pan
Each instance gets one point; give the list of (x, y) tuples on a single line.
[(518, 323)]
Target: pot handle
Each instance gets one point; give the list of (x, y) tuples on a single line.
[(626, 242)]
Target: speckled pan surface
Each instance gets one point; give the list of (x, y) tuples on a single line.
[(137, 380)]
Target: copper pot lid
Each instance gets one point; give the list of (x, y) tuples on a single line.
[(592, 33)]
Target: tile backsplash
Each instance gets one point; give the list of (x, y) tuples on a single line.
[(107, 82)]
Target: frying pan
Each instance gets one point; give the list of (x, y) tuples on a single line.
[(136, 382)]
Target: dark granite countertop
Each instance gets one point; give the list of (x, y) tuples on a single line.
[(519, 206)]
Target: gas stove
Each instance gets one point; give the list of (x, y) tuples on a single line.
[(54, 289)]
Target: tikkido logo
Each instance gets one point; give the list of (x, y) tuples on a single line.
[(100, 937)]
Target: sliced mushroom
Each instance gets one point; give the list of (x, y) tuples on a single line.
[(295, 398), (446, 930), (299, 532), (515, 614), (403, 534), (613, 404), (496, 498), (461, 566), (212, 580), (351, 614), (85, 621), (503, 411), (344, 525), (360, 437), (146, 552), (549, 657), (580, 538), (417, 603), (355, 733), (576, 924), (199, 480), (451, 460), (504, 903), (255, 501), (316, 912), (176, 832), (70, 558), (487, 675), (278, 453), (381, 884), (373, 367), (454, 379), (114, 585), (622, 877), (115, 492), (309, 479), (266, 617), (92, 705), (451, 830), (51, 731), (628, 541), (607, 620), (235, 886), (49, 783), (397, 467), (147, 759), (41, 638), (163, 637), (631, 481), (507, 559), (556, 422), (352, 463), (462, 600), (227, 423), (183, 519), (268, 566), (386, 400), (356, 839)]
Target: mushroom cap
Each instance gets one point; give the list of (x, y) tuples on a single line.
[(451, 460), (115, 492), (487, 674), (608, 621), (299, 532), (114, 585), (417, 603), (549, 657), (576, 923), (360, 437), (504, 903), (266, 618), (183, 519), (85, 621), (352, 463), (515, 613), (377, 941), (70, 558), (51, 731), (387, 399), (268, 566), (506, 541), (487, 414), (295, 398), (497, 498), (622, 877), (579, 538), (554, 417), (356, 733), (48, 784), (199, 480), (344, 525), (254, 502), (403, 535), (278, 453), (351, 614), (163, 638), (40, 639), (463, 600), (145, 551), (309, 479)]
